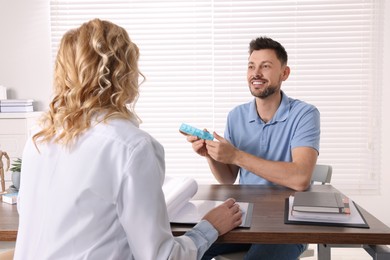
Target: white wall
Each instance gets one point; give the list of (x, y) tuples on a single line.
[(25, 57), (25, 68)]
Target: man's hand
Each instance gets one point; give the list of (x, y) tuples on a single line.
[(198, 145), (225, 217), (221, 151)]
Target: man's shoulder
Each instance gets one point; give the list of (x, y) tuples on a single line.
[(300, 105)]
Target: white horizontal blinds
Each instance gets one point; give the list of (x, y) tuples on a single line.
[(175, 41), (332, 47), (194, 55), (340, 81), (178, 64)]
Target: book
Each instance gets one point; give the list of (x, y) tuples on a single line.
[(354, 219), (16, 105), (320, 215), (182, 209), (10, 109), (10, 198), (17, 102), (330, 202)]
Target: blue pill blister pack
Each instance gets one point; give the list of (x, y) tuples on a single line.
[(195, 131)]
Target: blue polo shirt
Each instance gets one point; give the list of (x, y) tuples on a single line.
[(295, 124)]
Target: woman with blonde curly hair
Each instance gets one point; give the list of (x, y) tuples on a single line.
[(91, 186)]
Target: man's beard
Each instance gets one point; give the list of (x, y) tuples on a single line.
[(265, 93)]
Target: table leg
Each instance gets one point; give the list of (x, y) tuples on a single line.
[(323, 252), (378, 252)]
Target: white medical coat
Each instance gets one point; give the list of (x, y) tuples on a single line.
[(101, 199)]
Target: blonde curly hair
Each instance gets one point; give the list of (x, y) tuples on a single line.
[(96, 73)]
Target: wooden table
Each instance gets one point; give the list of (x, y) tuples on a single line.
[(268, 222)]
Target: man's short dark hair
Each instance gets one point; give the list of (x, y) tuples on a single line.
[(263, 43)]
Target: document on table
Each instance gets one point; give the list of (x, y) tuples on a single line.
[(182, 209), (193, 211)]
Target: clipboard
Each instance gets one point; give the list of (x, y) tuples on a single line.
[(182, 209), (361, 223), (193, 211)]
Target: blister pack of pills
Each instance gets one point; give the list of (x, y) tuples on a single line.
[(195, 131)]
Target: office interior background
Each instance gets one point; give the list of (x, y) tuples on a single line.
[(194, 55)]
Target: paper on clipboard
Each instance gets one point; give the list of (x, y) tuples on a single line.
[(183, 209)]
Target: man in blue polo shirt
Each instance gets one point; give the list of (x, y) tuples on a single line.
[(272, 140)]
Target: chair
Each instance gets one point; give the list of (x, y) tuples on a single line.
[(321, 173)]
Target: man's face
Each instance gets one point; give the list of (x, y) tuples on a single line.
[(265, 73)]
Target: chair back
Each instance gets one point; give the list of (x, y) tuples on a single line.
[(322, 173)]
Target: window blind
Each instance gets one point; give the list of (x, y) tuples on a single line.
[(194, 55)]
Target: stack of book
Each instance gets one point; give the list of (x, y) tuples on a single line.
[(16, 105), (323, 208), (320, 205)]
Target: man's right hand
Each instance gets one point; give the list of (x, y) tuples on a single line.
[(225, 217), (198, 145)]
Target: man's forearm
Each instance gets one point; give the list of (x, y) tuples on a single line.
[(295, 175), (224, 173)]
